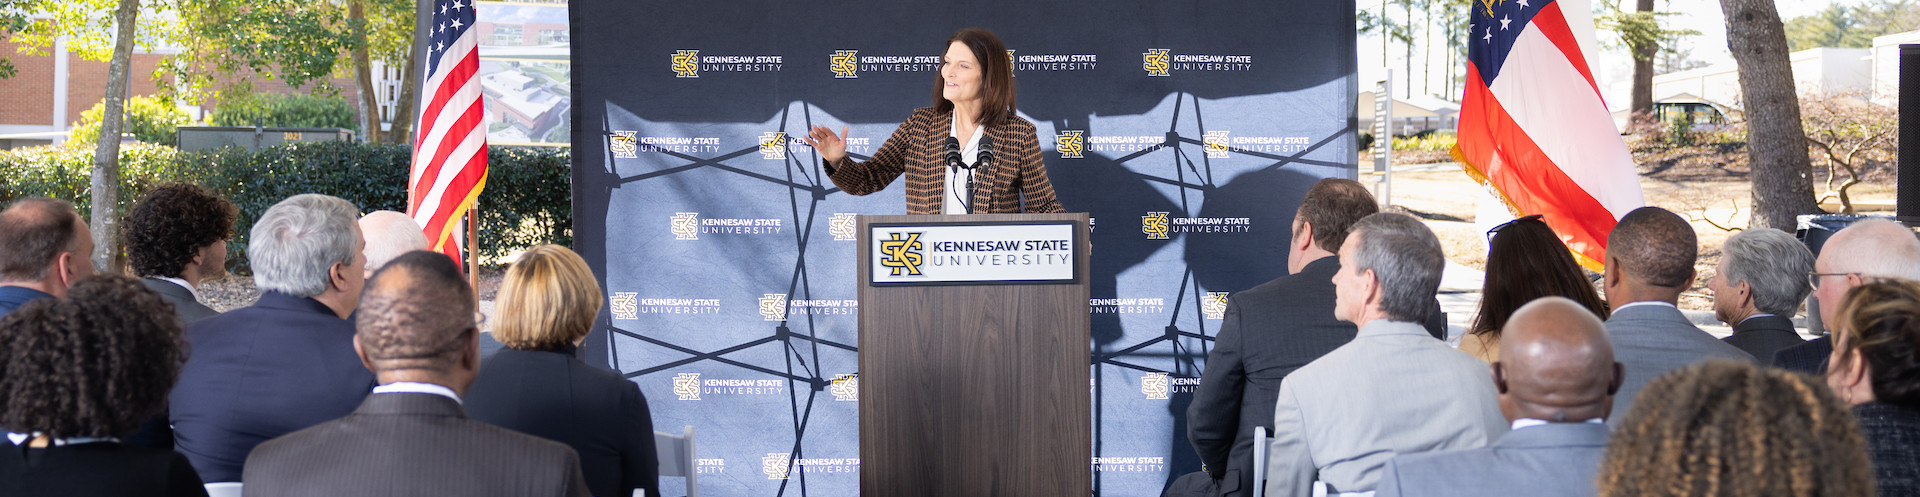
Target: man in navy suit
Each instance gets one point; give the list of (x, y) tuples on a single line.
[(287, 361), (1870, 248), (44, 248)]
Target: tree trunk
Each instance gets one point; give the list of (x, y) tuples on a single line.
[(1641, 102), (403, 109), (106, 149), (1776, 142), (370, 117)]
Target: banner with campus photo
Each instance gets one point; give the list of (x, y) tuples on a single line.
[(1189, 132), (526, 72)]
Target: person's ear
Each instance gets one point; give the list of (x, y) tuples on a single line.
[(337, 276), (1856, 369), (1619, 378), (1691, 274), (1745, 290), (470, 355), (1499, 378), (361, 351), (1303, 238), (63, 267), (1610, 275)]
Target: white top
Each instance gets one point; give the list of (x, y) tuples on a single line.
[(1530, 422), (182, 283), (955, 200), (415, 387), (1645, 302)]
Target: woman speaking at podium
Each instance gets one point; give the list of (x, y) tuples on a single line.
[(967, 154)]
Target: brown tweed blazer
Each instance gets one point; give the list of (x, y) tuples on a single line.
[(917, 149)]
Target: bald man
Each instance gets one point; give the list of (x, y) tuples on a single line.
[(389, 234), (1870, 248), (1556, 379), (44, 246)]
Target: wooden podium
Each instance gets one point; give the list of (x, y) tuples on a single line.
[(974, 355)]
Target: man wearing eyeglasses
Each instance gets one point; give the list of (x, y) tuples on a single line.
[(1874, 247)]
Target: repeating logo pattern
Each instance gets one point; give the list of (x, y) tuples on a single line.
[(687, 386), (624, 305), (1215, 143), (776, 465), (1071, 143), (773, 145), (841, 226), (902, 254), (1156, 386), (1154, 225), (1156, 61), (624, 145), (846, 388), (845, 64), (773, 307), (1214, 305), (686, 64), (686, 226)]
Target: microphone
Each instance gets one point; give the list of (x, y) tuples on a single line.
[(953, 154), (985, 157)]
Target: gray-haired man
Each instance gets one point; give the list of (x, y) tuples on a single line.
[(1758, 287), (287, 361)]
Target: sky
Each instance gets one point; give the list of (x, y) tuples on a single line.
[(1614, 65)]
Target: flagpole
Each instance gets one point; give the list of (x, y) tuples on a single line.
[(473, 251)]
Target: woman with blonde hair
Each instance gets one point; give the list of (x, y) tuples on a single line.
[(537, 385)]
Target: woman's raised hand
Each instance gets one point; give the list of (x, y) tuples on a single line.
[(831, 147)]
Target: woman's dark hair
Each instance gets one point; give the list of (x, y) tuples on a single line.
[(170, 224), (1881, 319), (93, 364), (1730, 428), (1527, 261), (996, 76)]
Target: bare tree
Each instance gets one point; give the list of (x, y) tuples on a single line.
[(106, 149), (1776, 142), (1850, 134)]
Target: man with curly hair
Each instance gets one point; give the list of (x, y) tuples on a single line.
[(44, 246), (177, 237)]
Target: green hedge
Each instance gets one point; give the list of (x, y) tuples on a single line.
[(290, 111), (528, 200)]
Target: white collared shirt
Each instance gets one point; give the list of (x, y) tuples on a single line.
[(417, 387), (183, 284), (1756, 315), (1530, 422), (1646, 302), (956, 197)]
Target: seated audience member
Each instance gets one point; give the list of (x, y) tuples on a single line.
[(1556, 384), (286, 362), (1870, 248), (1727, 428), (1757, 288), (390, 234), (1876, 369), (1271, 330), (44, 248), (1525, 261), (1650, 256), (1393, 389), (419, 334), (78, 372), (177, 237), (546, 305)]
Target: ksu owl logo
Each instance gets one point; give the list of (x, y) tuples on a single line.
[(1154, 225), (1214, 305), (773, 306), (773, 145), (686, 226), (775, 465), (687, 386), (686, 63), (1216, 144), (624, 145), (902, 254), (1072, 144), (1156, 61), (1156, 386), (841, 226), (844, 64), (846, 388), (624, 305)]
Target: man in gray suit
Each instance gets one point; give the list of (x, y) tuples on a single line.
[(1758, 287), (411, 436), (176, 237), (1271, 330), (1393, 389), (1556, 379), (1650, 256)]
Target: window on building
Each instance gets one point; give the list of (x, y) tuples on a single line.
[(552, 36), (507, 35)]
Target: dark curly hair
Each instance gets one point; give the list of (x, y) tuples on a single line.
[(1728, 428), (94, 364), (169, 225), (1526, 261), (1881, 319)]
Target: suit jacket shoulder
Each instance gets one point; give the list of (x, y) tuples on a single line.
[(1650, 340), (184, 305), (553, 395), (1553, 460)]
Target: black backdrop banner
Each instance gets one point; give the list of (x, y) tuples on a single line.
[(1189, 130)]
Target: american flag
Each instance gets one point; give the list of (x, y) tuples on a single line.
[(1533, 125), (449, 145)]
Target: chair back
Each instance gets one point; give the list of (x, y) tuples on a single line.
[(676, 458), (1260, 443), (223, 489)]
